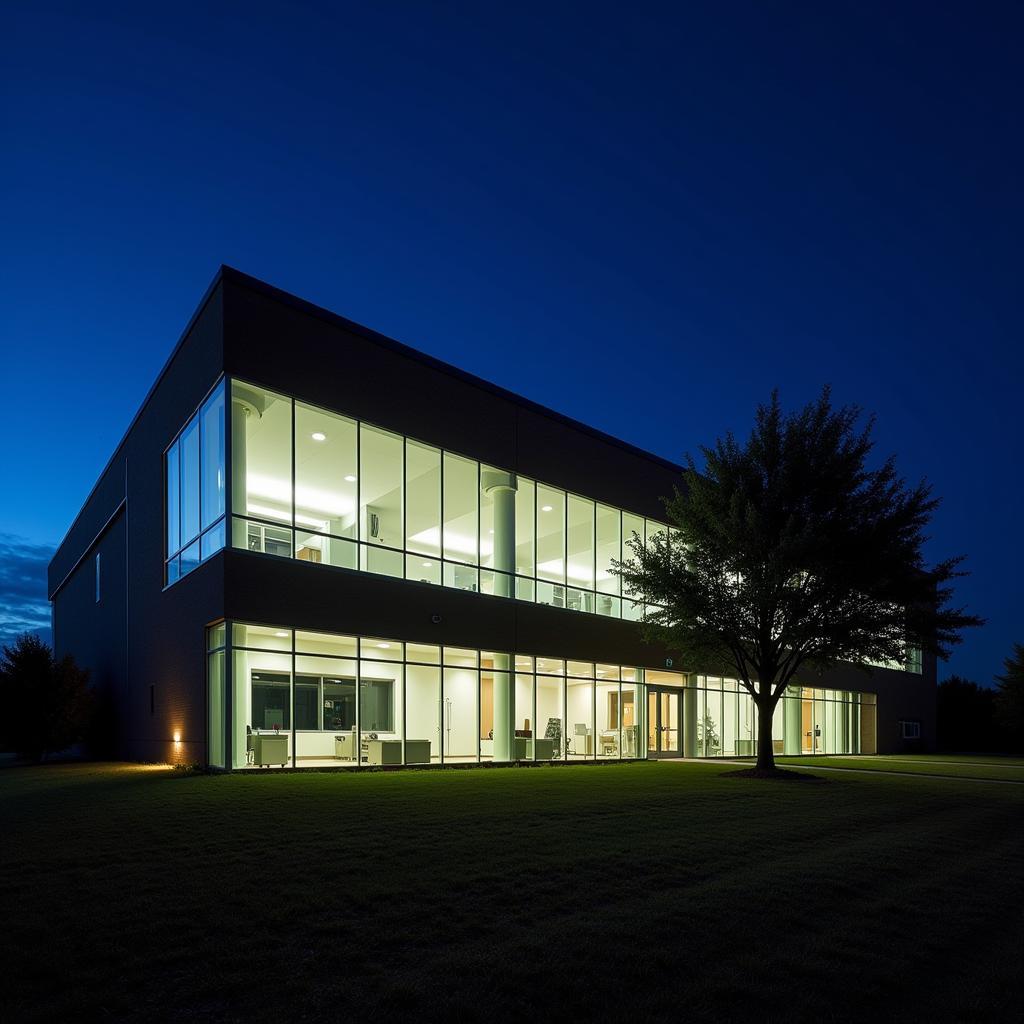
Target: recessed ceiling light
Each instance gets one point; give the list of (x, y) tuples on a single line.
[(385, 646), (280, 632), (428, 564), (545, 508), (351, 479), (490, 531), (318, 436)]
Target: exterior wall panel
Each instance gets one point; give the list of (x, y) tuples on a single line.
[(368, 377), (158, 628)]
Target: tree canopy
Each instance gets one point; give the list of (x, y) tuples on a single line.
[(1009, 699), (790, 553), (47, 702)]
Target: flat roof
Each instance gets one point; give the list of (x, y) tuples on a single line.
[(226, 273)]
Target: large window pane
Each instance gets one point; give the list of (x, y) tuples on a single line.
[(212, 426), (609, 539), (526, 512), (654, 529), (630, 719), (380, 498), (261, 453), (580, 543), (189, 447), (579, 699), (173, 500), (460, 509), (423, 504), (380, 712), (216, 696), (632, 532), (631, 525), (550, 717), (608, 731), (550, 534), (324, 550), (525, 733), (422, 713), (325, 716), (325, 473)]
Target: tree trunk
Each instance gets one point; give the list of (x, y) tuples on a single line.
[(765, 750)]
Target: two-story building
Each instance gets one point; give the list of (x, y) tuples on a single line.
[(316, 546)]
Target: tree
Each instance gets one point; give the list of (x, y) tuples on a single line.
[(1009, 699), (965, 715), (791, 553), (47, 703)]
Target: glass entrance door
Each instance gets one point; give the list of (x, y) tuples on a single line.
[(663, 723)]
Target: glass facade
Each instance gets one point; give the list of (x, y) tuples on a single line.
[(320, 487), (914, 662), (307, 698), (194, 489), (303, 698), (806, 721)]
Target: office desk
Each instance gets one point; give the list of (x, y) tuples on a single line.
[(345, 746), (267, 749), (390, 751)]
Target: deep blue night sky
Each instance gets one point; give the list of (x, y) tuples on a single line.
[(645, 220)]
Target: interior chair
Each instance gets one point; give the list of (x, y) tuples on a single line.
[(580, 729)]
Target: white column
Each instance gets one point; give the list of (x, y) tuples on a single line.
[(792, 725), (501, 488), (504, 698)]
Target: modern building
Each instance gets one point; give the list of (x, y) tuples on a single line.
[(316, 546)]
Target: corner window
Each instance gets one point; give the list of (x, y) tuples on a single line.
[(194, 473)]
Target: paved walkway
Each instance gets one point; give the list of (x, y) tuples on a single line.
[(889, 758), (860, 771)]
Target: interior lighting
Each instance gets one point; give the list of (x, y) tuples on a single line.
[(318, 436)]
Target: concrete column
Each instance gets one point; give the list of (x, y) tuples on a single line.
[(690, 717), (501, 489), (504, 699), (791, 726)]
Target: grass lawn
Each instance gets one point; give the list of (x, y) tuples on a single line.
[(973, 766), (623, 892)]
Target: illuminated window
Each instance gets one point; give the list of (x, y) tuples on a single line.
[(195, 487), (326, 489)]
